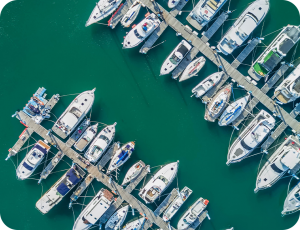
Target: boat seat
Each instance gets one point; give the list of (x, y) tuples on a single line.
[(211, 5)]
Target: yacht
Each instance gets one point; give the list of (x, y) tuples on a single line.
[(102, 10), (94, 210), (275, 52), (289, 89), (218, 103), (131, 14), (244, 26), (251, 137), (32, 160), (205, 85), (86, 138), (100, 143), (192, 69), (135, 225), (133, 172), (60, 189), (74, 114), (159, 183), (233, 111), (285, 158), (176, 56), (117, 219), (292, 201), (173, 3), (192, 214), (141, 31), (121, 156), (177, 203)]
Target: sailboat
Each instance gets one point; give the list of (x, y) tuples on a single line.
[(192, 69), (133, 172), (117, 219), (131, 14)]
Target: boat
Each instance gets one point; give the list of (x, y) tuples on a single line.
[(173, 3), (117, 219), (192, 214), (131, 14), (100, 143), (285, 158), (218, 103), (176, 203), (159, 183), (205, 85), (86, 138), (205, 10), (193, 69), (233, 111), (94, 210), (289, 90), (141, 31), (103, 9), (121, 156), (133, 172), (32, 160), (135, 225), (74, 114), (275, 52), (176, 56), (292, 201), (60, 189), (251, 137), (244, 26)]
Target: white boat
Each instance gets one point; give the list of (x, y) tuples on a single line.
[(32, 160), (251, 137), (133, 172), (121, 156), (159, 183), (205, 85), (102, 9), (100, 143), (141, 31), (117, 219), (289, 90), (94, 210), (233, 111), (292, 201), (131, 14), (176, 203), (135, 225), (244, 26), (192, 214), (205, 10), (86, 138), (173, 3), (193, 69), (285, 158), (176, 56), (74, 114)]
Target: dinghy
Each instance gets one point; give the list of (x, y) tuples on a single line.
[(133, 172), (86, 138), (117, 219), (192, 69), (131, 14)]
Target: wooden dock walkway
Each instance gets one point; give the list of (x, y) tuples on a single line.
[(120, 14), (52, 164), (167, 201)]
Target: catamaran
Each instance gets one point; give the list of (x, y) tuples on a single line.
[(192, 69), (117, 219), (133, 172), (131, 14), (86, 138), (292, 201)]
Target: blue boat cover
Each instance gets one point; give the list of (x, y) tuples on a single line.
[(122, 154), (63, 189), (38, 147), (27, 166), (123, 157), (73, 177)]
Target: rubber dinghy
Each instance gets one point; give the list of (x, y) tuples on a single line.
[(117, 219), (133, 172), (131, 14), (192, 69)]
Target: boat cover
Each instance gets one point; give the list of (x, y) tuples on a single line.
[(294, 34), (73, 177), (272, 62), (27, 166), (183, 50), (40, 148), (63, 189), (286, 45)]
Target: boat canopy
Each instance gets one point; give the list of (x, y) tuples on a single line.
[(27, 166), (183, 50), (69, 120), (40, 148), (272, 61), (63, 189), (286, 45), (73, 177), (291, 160)]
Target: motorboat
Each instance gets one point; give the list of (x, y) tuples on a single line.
[(60, 189), (32, 160), (244, 26), (292, 201), (117, 219), (94, 210), (285, 158), (176, 203), (233, 111), (121, 156), (289, 90), (176, 56), (141, 31), (86, 138), (218, 103), (205, 85), (131, 14), (159, 183), (251, 137), (191, 215), (133, 172), (275, 52), (100, 143), (192, 69), (74, 114), (103, 9)]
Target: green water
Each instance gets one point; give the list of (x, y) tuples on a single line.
[(45, 43)]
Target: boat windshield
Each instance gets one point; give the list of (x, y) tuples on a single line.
[(276, 169), (174, 59), (105, 138), (297, 196), (245, 146), (137, 34), (163, 179), (96, 150)]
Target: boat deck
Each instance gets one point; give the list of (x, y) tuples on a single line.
[(75, 136), (167, 201)]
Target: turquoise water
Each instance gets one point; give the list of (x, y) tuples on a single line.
[(45, 43)]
